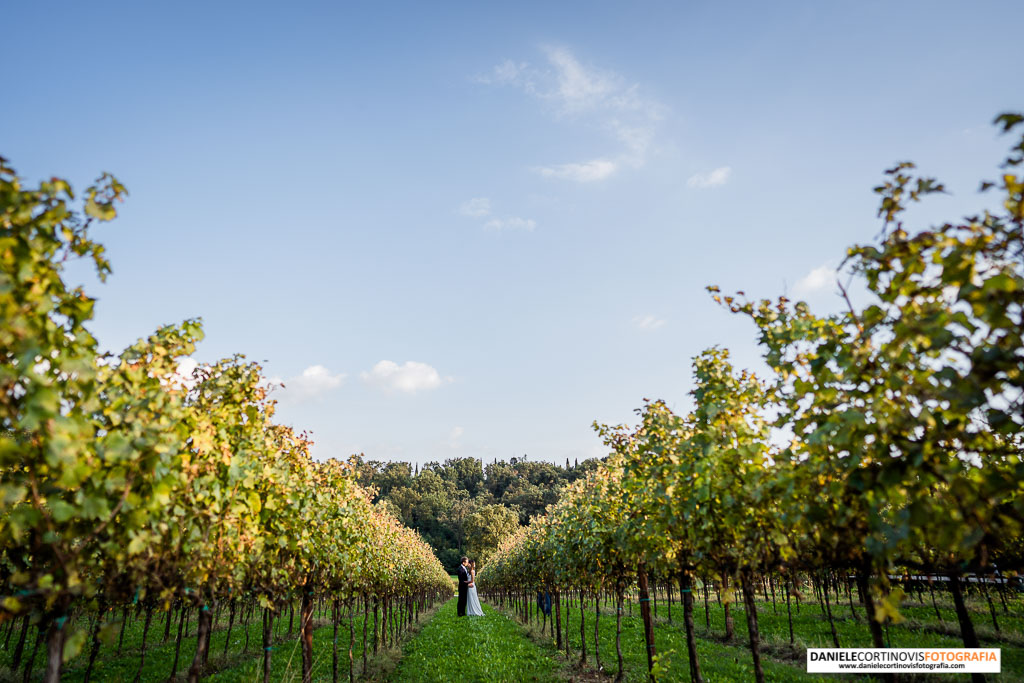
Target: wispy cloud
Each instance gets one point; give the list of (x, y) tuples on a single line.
[(648, 322), (312, 382), (637, 140), (455, 437), (715, 178), (584, 172), (579, 88), (817, 280), (598, 98), (508, 73), (478, 207), (409, 378), (510, 223)]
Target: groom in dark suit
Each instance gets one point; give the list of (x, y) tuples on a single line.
[(464, 580)]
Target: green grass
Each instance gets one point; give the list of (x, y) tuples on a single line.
[(471, 649), (237, 665), (921, 629), (495, 648), (721, 661)]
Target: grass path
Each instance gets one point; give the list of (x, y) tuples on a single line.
[(442, 647), (488, 648)]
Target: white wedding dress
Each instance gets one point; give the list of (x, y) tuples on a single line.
[(473, 608)]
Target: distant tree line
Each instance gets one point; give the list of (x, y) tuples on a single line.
[(463, 507)]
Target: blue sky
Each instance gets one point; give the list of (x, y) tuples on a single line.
[(460, 229)]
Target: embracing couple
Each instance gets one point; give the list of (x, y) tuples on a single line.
[(469, 603)]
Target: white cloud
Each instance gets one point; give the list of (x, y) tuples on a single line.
[(579, 87), (816, 281), (187, 366), (585, 172), (510, 223), (507, 73), (714, 178), (314, 381), (478, 207), (455, 437), (408, 378), (183, 377), (596, 98), (637, 140), (648, 322)]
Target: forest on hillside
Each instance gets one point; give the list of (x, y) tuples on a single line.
[(463, 507)]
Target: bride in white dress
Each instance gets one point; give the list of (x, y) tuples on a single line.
[(473, 608)]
